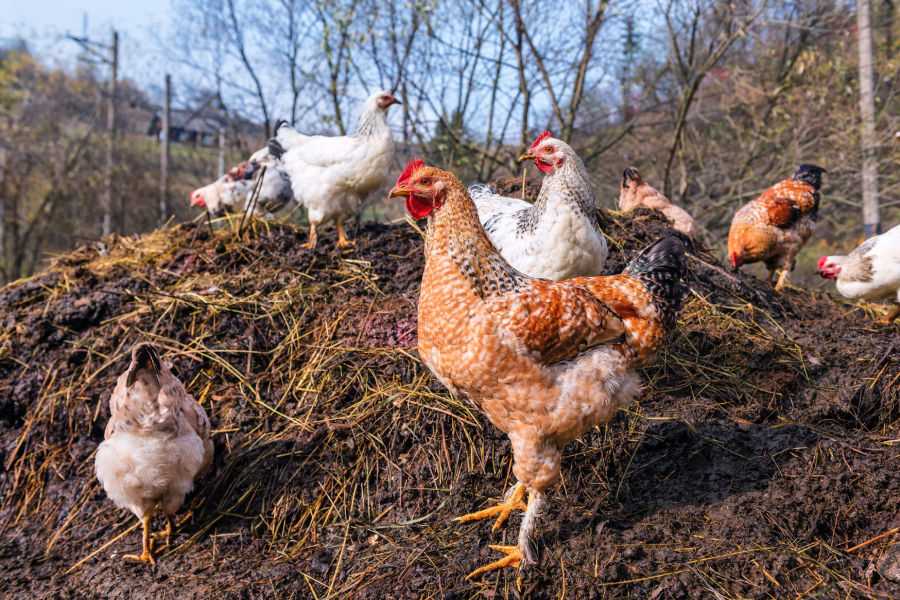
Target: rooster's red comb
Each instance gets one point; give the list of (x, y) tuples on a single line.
[(537, 141), (411, 167)]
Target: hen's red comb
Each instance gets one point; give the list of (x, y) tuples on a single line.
[(539, 139), (411, 167)]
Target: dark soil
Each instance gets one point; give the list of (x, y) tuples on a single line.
[(766, 445)]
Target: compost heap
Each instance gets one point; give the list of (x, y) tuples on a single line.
[(762, 454)]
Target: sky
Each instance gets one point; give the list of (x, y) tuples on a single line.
[(44, 24), (145, 32)]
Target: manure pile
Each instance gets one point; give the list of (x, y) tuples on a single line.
[(761, 461)]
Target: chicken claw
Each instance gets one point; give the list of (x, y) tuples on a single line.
[(513, 558), (502, 510), (890, 315), (313, 238), (165, 534), (343, 242), (146, 555), (782, 281)]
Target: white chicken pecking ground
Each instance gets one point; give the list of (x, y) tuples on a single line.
[(557, 237), (332, 175), (232, 192), (157, 442), (871, 272)]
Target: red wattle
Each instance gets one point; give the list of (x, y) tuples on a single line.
[(418, 208), (543, 167)]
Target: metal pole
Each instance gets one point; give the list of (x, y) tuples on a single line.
[(164, 153), (111, 133), (221, 151)]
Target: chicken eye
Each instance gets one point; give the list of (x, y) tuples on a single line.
[(548, 149), (425, 180)]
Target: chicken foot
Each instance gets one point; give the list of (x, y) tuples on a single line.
[(782, 280), (343, 241), (165, 534), (891, 314), (522, 552), (313, 237), (512, 501), (146, 556)]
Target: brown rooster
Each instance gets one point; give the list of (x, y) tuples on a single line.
[(774, 227), (545, 360)]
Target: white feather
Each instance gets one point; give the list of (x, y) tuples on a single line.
[(884, 253), (563, 241)]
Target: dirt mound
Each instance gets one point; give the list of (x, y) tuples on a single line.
[(761, 457)]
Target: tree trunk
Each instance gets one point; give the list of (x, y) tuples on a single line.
[(3, 195), (871, 221)]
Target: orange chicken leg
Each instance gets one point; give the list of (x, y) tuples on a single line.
[(146, 556), (502, 510)]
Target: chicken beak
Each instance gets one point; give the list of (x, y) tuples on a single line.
[(526, 156), (399, 191), (395, 101)]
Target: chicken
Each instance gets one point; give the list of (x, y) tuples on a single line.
[(332, 176), (557, 237), (636, 193), (156, 444), (774, 227), (233, 191), (870, 272), (545, 360)]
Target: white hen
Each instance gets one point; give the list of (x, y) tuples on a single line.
[(557, 237), (232, 192), (870, 272), (332, 176), (156, 443)]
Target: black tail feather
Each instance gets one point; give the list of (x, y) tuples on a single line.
[(278, 125), (811, 174), (661, 267), (275, 148)]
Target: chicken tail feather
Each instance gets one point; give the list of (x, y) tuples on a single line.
[(143, 358), (661, 268), (275, 148), (631, 174)]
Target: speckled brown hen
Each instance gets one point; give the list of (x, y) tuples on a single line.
[(156, 444), (545, 360), (774, 227)]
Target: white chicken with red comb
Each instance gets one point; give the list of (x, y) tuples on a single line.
[(332, 176), (870, 272), (233, 191), (558, 236)]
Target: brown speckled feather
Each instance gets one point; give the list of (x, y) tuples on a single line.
[(149, 398), (556, 320), (636, 193)]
